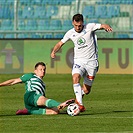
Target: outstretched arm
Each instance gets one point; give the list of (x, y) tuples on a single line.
[(106, 27), (11, 82), (56, 48)]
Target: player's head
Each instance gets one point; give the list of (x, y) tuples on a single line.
[(40, 69), (77, 22)]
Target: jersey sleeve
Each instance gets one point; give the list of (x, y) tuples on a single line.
[(26, 77), (66, 37), (93, 26)]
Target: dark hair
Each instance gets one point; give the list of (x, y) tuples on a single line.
[(78, 17), (39, 63)]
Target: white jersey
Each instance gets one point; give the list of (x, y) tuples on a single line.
[(85, 42)]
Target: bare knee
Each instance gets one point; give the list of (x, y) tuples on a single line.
[(41, 101), (76, 78)]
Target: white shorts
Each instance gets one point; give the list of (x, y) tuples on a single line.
[(87, 69)]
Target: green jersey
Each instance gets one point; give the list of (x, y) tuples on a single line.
[(33, 83)]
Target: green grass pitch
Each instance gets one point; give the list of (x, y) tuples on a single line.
[(108, 106)]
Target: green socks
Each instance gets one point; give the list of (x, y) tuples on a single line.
[(52, 103)]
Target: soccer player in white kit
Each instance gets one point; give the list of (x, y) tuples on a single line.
[(85, 54)]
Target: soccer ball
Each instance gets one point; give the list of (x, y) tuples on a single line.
[(73, 109)]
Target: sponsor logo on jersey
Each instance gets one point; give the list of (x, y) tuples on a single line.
[(81, 41)]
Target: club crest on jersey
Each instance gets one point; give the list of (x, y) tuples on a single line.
[(81, 41)]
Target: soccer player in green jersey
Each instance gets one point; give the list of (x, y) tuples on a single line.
[(34, 97)]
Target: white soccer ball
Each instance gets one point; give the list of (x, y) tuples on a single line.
[(73, 109)]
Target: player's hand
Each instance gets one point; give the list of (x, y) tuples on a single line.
[(53, 55), (109, 29), (106, 27)]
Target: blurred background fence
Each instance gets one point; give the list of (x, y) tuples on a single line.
[(52, 18)]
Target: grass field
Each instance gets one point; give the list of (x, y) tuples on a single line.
[(108, 107)]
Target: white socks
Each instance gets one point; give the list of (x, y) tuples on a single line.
[(78, 93)]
